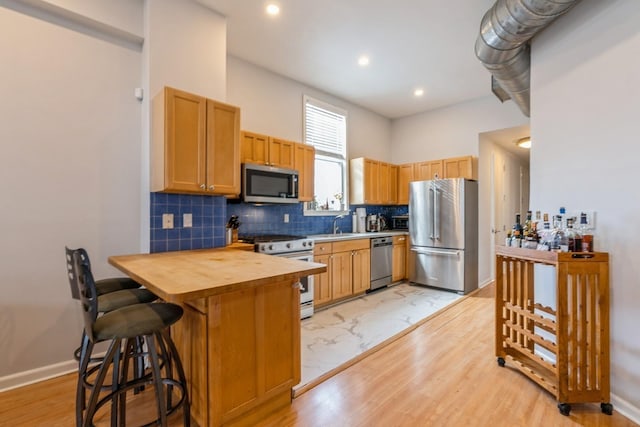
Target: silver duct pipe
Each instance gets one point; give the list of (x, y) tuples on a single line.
[(503, 47)]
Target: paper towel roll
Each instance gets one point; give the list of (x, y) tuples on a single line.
[(362, 219)]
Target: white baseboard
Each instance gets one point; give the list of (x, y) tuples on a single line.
[(625, 408), (485, 283), (36, 375)]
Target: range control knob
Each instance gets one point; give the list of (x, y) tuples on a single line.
[(270, 247), (288, 245), (304, 243), (261, 248)]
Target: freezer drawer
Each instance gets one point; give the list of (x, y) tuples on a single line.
[(441, 268)]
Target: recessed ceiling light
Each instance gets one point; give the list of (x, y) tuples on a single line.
[(273, 9), (363, 61), (418, 92)]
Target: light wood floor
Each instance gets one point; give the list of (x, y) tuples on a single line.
[(444, 373)]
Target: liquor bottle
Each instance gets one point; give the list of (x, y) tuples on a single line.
[(559, 242), (587, 233), (538, 221), (517, 226), (545, 238), (529, 238), (527, 225), (574, 238), (516, 239)]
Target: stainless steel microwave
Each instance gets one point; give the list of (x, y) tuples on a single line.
[(268, 184)]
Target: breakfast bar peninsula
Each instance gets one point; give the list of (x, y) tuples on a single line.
[(239, 338)]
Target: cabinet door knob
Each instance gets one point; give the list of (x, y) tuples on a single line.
[(211, 187), (203, 187)]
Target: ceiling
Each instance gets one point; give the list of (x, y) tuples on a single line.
[(411, 44)]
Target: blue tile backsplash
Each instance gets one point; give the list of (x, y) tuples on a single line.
[(210, 215)]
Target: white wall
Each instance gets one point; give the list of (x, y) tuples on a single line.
[(187, 45), (70, 176), (75, 162), (585, 113), (451, 131), (272, 104)]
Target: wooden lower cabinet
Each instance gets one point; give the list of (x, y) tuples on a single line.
[(322, 282), (361, 265), (241, 352), (399, 264), (348, 270)]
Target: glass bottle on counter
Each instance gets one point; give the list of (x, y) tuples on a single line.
[(529, 237), (574, 238), (587, 233), (544, 235), (559, 242), (516, 233)]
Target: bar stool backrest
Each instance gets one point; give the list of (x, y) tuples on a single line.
[(72, 273), (86, 290)]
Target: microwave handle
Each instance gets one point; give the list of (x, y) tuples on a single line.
[(294, 183)]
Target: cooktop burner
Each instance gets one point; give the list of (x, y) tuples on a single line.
[(279, 244)]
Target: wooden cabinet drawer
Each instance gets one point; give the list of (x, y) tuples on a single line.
[(400, 240), (350, 245), (323, 248)]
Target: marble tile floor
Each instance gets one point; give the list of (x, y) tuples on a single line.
[(336, 335)]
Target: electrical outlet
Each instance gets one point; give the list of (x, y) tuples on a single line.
[(187, 220), (286, 218), (167, 221)]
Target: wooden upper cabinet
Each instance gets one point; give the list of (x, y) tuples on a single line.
[(266, 150), (195, 144), (461, 167), (392, 185), (364, 181), (223, 148), (373, 182), (281, 153), (431, 169), (405, 176), (254, 148), (304, 163)]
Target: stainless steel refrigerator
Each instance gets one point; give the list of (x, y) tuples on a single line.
[(443, 232)]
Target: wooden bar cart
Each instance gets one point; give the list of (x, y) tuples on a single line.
[(575, 332)]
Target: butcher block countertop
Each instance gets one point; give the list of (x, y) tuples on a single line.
[(189, 275)]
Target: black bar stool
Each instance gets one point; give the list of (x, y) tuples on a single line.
[(112, 293), (122, 327)]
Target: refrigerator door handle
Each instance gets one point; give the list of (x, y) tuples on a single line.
[(431, 197), (435, 252), (436, 214)]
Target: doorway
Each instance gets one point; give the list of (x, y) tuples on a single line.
[(504, 191)]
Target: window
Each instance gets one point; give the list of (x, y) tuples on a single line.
[(325, 127)]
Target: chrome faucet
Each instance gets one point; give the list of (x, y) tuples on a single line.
[(335, 223)]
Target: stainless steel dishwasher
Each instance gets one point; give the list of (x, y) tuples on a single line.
[(381, 259)]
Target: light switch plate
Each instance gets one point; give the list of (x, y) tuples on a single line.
[(286, 217), (187, 220), (167, 221)]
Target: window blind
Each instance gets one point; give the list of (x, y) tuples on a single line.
[(325, 129)]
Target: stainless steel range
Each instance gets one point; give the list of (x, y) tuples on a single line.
[(294, 247)]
